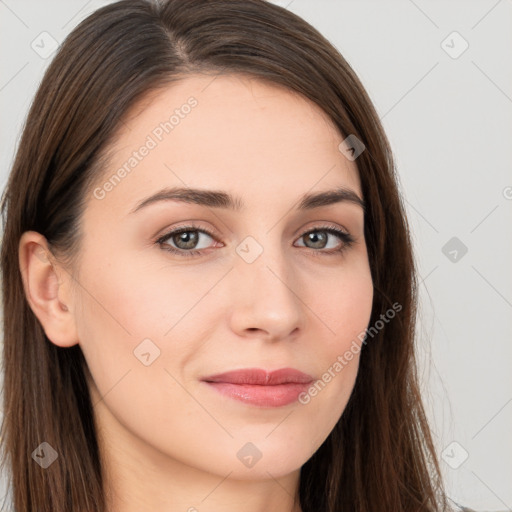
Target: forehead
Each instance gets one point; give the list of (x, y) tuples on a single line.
[(260, 140)]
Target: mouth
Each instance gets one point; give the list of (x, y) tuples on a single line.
[(260, 388)]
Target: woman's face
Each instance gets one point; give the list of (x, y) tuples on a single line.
[(261, 283)]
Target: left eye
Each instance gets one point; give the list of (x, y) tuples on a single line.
[(187, 238), (184, 240), (319, 237)]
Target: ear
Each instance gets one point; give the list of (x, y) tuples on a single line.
[(47, 289)]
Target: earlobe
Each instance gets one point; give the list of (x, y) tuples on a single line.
[(47, 289)]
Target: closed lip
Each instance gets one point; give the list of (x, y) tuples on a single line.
[(261, 377)]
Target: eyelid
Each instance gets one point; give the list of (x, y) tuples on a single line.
[(322, 225), (187, 226)]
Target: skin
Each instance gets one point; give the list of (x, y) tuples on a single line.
[(169, 442)]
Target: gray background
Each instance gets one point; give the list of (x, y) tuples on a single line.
[(448, 117)]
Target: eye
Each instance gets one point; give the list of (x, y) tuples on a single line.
[(321, 241), (184, 240)]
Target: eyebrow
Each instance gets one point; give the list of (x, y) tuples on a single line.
[(221, 199)]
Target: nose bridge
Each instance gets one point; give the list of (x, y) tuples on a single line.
[(263, 262), (263, 291)]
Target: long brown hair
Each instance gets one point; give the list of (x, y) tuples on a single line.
[(380, 455)]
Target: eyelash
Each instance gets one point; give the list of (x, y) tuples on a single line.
[(345, 237)]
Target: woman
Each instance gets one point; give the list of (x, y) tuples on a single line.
[(208, 282)]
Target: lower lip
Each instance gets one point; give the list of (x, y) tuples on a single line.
[(262, 396)]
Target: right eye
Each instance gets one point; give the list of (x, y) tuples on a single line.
[(185, 239)]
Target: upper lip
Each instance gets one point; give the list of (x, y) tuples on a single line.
[(261, 377)]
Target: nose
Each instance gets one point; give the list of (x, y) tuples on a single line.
[(265, 303)]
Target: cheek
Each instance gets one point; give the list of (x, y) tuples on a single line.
[(131, 300), (132, 309), (344, 306), (343, 311), (120, 306)]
